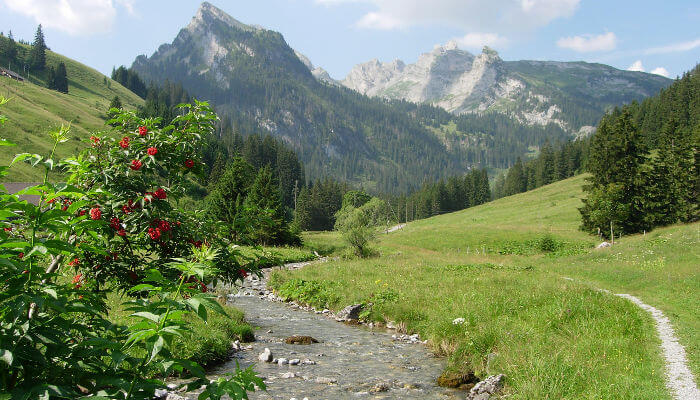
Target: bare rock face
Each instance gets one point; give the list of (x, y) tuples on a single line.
[(484, 389)]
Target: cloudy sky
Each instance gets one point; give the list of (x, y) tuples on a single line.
[(641, 35)]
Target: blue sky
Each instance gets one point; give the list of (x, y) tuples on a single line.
[(663, 37)]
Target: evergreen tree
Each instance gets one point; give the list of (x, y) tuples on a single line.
[(51, 79), (516, 181), (265, 211), (61, 80), (37, 56), (115, 103), (225, 202), (8, 47)]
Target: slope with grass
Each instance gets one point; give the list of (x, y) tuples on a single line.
[(34, 110), (500, 266)]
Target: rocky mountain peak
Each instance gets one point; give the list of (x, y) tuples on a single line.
[(207, 14)]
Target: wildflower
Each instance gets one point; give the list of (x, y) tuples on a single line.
[(77, 278), (82, 212), (203, 287), (74, 263), (198, 244), (152, 151), (9, 229), (189, 163), (121, 232), (95, 140), (20, 255), (244, 273), (154, 233), (124, 143), (136, 165), (95, 213), (160, 194), (143, 130)]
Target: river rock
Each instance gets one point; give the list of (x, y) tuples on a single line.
[(484, 389), (282, 361), (294, 361), (457, 380), (265, 356), (325, 381), (380, 387), (288, 375), (173, 396), (300, 340), (350, 313)]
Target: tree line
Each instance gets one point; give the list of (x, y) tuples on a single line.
[(553, 163), (645, 163)]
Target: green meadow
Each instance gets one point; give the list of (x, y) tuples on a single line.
[(502, 267)]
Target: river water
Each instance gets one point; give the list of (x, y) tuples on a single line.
[(349, 362)]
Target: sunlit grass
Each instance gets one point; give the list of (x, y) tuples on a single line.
[(552, 337)]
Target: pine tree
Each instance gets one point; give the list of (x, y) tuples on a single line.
[(37, 56), (225, 201), (115, 103), (265, 211), (61, 78), (515, 182), (51, 78)]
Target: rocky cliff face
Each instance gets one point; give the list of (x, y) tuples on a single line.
[(534, 92)]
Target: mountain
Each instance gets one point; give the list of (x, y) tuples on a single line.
[(258, 84), (34, 110), (571, 94)]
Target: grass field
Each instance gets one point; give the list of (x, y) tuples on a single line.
[(34, 110), (500, 266)]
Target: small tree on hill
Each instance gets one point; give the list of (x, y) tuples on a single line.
[(61, 78), (264, 200), (37, 56)]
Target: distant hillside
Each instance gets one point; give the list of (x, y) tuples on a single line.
[(33, 109)]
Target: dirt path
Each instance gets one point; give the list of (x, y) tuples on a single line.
[(679, 378)]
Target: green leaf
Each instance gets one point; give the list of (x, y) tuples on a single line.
[(51, 293), (6, 356), (5, 142), (147, 315), (157, 347)]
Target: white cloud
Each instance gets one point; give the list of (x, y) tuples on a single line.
[(675, 47), (636, 66), (75, 17), (660, 71), (502, 16), (589, 43), (478, 40)]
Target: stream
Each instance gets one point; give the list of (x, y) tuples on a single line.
[(348, 362)]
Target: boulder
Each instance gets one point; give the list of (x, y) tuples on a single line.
[(457, 380), (300, 340), (486, 388), (265, 356), (350, 313), (603, 245)]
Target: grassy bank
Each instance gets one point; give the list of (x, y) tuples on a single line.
[(206, 343), (266, 257), (500, 266)]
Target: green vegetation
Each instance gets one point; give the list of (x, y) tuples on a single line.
[(35, 109), (645, 162), (500, 266)]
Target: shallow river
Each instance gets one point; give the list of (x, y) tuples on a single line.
[(348, 362)]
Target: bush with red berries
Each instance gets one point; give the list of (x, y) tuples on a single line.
[(114, 226)]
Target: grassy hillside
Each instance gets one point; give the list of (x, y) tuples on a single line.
[(501, 267), (34, 110)]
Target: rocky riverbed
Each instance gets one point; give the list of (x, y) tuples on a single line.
[(348, 362)]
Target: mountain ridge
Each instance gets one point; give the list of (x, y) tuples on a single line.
[(461, 82)]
